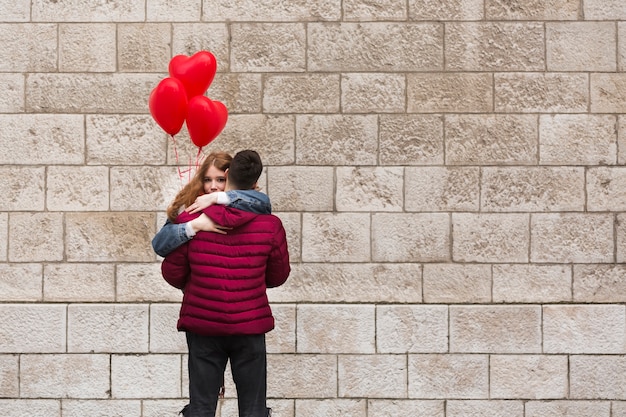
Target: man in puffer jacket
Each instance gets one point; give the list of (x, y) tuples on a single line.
[(225, 310)]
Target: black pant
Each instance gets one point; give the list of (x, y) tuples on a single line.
[(208, 356)]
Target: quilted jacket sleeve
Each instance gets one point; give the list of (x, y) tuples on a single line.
[(175, 267), (278, 268)]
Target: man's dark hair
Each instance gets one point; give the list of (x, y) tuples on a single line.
[(245, 169)]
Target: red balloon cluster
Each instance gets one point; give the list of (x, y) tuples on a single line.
[(180, 97)]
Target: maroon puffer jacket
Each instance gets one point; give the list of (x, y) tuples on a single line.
[(225, 277)]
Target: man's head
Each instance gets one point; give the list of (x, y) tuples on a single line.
[(245, 170)]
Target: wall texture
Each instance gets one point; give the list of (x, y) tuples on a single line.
[(451, 174)]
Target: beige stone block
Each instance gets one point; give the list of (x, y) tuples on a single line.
[(412, 329), (532, 9), (598, 377), (618, 407), (528, 376), (541, 92), (143, 283), (373, 93), (240, 93), (301, 93), (9, 376), (301, 188), (449, 93), (448, 376), (577, 139), (22, 188), (351, 283), (95, 283), (608, 93), (621, 46), (273, 10), (32, 139), (599, 283), (486, 237), (495, 329), (189, 38), (158, 407), (380, 10), (283, 338), (143, 187), (273, 137), (606, 189), (292, 222), (336, 237), (31, 46), (123, 93), (336, 139), (375, 46), (145, 376), (78, 11), (16, 12), (486, 46), (532, 283), (457, 283), (20, 282), (87, 47), (581, 46), (61, 377), (268, 47), (441, 188), (174, 10), (620, 239), (492, 408), (570, 237), (394, 408), (100, 328), (77, 188), (568, 408), (35, 237), (345, 335), (95, 237), (372, 376), (78, 408), (604, 10), (590, 329), (4, 231), (144, 47), (414, 139), (370, 189), (491, 139), (16, 407), (302, 376), (515, 189), (164, 336), (410, 237), (12, 87), (332, 407), (124, 140), (444, 11)]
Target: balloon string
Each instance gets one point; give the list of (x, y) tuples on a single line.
[(180, 174)]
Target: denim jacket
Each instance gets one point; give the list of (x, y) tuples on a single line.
[(172, 235)]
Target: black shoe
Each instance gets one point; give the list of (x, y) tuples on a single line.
[(184, 410)]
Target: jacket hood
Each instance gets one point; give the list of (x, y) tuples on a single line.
[(222, 215)]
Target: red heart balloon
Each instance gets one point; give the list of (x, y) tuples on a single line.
[(195, 72), (168, 105), (205, 119)]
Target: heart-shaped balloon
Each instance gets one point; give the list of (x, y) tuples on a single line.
[(205, 119), (195, 72), (168, 105)]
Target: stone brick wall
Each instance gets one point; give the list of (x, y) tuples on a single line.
[(451, 175)]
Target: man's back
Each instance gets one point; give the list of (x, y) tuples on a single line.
[(224, 277)]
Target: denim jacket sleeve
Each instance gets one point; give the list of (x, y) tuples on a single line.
[(171, 236), (250, 200)]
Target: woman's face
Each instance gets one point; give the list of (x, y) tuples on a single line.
[(214, 180)]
